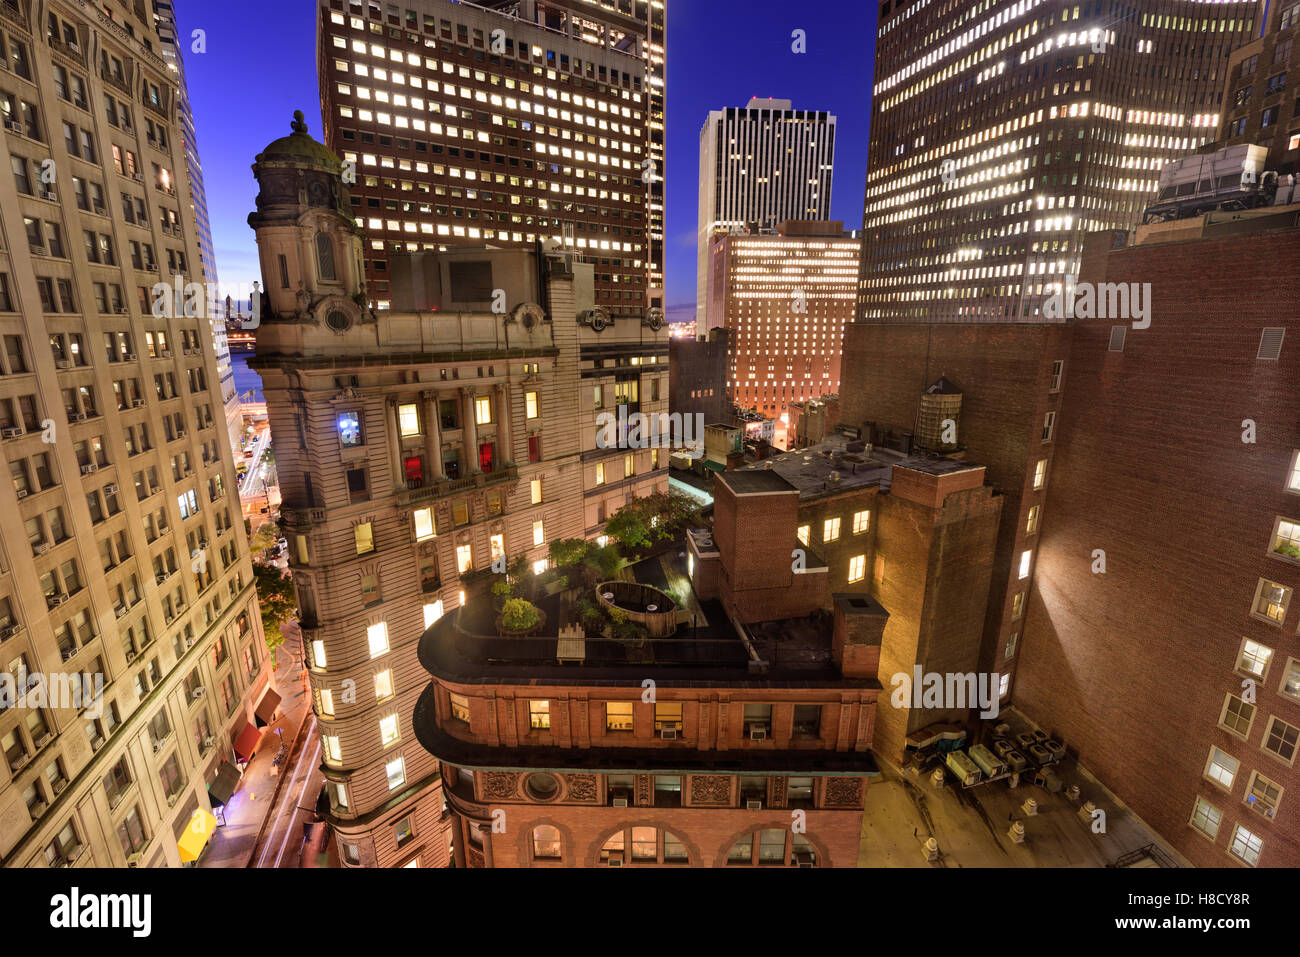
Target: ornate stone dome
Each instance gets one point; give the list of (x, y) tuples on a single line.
[(299, 146)]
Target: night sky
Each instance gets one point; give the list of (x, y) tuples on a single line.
[(260, 66)]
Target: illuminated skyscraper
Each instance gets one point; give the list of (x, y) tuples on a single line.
[(760, 165), (168, 32), (508, 122), (785, 299), (1002, 131)]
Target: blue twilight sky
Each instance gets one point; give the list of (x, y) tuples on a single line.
[(260, 66)]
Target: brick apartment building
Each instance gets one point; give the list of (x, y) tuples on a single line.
[(697, 376), (122, 550), (415, 447), (1176, 673), (506, 122), (914, 533), (1261, 89)]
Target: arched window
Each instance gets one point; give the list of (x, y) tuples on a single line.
[(772, 847), (325, 256), (546, 843), (647, 845)]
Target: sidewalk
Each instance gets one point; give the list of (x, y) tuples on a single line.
[(234, 843)]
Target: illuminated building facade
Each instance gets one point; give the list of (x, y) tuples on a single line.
[(1002, 131), (759, 166), (168, 32), (785, 299), (415, 447), (122, 550), (551, 131)]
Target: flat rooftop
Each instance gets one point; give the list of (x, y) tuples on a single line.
[(836, 465)]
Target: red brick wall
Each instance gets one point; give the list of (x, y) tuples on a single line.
[(1132, 667)]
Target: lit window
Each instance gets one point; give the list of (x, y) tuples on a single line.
[(618, 715), (464, 561), (532, 407), (1018, 606), (831, 530), (546, 842), (408, 419), (600, 473), (1010, 648), (377, 635), (1293, 476), (1271, 600), (483, 410), (388, 729), (857, 568), (325, 702), (424, 527), (1040, 473), (350, 429), (1254, 658), (1031, 524), (535, 491), (803, 534), (396, 771), (460, 707), (1206, 818), (1245, 846), (318, 653), (1025, 558), (539, 537), (364, 536), (330, 744), (1004, 685), (540, 566), (539, 715), (496, 546), (1291, 679), (1221, 768), (432, 612), (383, 684), (1286, 539), (861, 522)]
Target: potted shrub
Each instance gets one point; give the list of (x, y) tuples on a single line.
[(519, 616)]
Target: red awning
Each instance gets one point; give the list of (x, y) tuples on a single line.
[(247, 741), (265, 709)]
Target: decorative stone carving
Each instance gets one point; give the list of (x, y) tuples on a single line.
[(842, 792), (710, 789), (474, 856), (643, 790), (581, 787), (500, 784), (779, 791)]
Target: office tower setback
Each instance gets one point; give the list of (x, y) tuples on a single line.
[(164, 15), (1258, 100), (785, 299), (416, 448), (124, 557), (759, 166), (1002, 132), (503, 123)]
